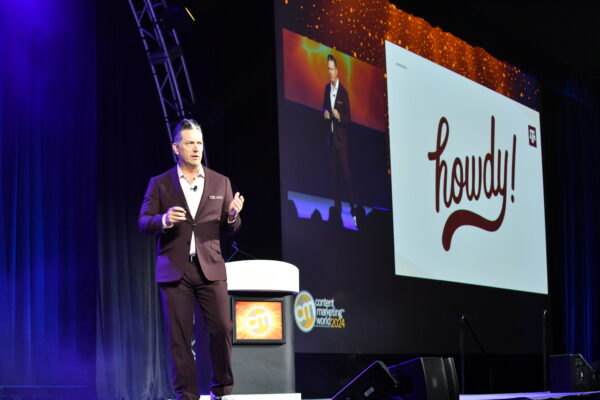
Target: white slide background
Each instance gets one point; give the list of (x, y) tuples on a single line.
[(420, 93)]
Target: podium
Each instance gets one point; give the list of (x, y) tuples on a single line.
[(262, 296)]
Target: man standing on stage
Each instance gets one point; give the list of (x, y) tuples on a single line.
[(336, 111), (187, 208)]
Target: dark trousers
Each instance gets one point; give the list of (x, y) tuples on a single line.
[(340, 167), (178, 300)]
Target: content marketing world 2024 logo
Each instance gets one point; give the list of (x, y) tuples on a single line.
[(312, 313)]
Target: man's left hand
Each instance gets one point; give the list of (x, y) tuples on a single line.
[(235, 206)]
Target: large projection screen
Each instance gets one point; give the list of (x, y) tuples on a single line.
[(467, 187), (395, 229)]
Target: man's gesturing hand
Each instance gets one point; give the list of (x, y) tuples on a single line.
[(235, 206), (175, 214), (336, 114)]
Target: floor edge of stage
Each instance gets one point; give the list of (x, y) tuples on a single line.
[(272, 396), (529, 396)]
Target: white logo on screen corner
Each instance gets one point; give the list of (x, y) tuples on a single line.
[(305, 312)]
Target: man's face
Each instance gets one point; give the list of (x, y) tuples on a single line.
[(189, 150), (332, 69)]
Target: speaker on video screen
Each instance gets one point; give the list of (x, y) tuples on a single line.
[(374, 383), (426, 378)]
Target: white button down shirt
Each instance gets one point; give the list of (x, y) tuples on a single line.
[(193, 193), (332, 96)]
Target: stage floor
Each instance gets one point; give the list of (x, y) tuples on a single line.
[(521, 396), (278, 396), (528, 396)]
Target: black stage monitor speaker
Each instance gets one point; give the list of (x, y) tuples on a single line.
[(426, 378), (571, 373), (373, 383)]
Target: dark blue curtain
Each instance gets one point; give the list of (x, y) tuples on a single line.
[(571, 137), (48, 263), (133, 145)]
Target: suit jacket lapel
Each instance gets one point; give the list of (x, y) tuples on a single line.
[(205, 193), (179, 192)]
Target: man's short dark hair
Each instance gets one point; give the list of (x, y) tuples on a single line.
[(330, 57), (182, 126)]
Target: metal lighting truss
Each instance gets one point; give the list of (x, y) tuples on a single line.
[(166, 60)]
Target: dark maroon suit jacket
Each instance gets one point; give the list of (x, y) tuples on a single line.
[(342, 104), (173, 244)]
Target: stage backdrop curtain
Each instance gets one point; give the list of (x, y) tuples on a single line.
[(132, 353), (571, 130), (47, 212)]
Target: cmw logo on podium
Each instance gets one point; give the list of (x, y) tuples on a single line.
[(258, 320)]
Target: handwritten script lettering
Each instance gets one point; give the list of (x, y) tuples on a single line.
[(470, 178)]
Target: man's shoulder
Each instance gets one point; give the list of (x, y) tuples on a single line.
[(167, 173), (164, 176), (211, 173), (341, 88)]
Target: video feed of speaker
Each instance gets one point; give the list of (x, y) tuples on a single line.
[(333, 133), (411, 184)]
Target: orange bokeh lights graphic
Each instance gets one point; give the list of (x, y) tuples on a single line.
[(258, 320), (361, 27)]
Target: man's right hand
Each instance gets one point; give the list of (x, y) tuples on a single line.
[(327, 115), (174, 214), (336, 114)]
